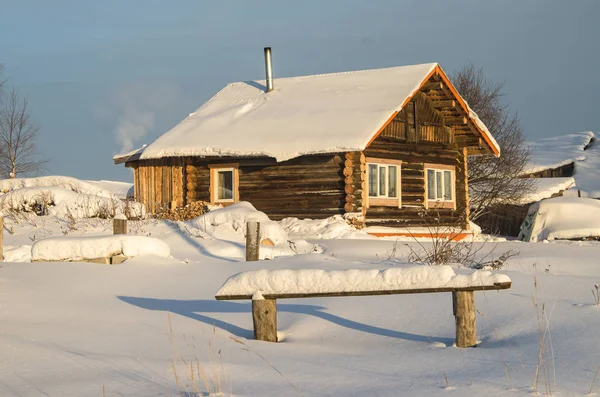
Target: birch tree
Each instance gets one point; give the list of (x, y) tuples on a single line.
[(18, 150)]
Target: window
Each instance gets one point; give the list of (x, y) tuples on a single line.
[(383, 180), (440, 184), (224, 183)]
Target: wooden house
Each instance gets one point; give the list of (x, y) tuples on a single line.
[(387, 144)]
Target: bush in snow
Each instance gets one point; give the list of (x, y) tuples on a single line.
[(61, 202)]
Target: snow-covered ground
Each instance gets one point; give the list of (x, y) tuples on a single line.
[(136, 329)]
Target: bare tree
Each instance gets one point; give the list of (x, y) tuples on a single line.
[(494, 180), (18, 151)]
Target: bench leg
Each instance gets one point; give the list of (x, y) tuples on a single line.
[(466, 331), (264, 315)]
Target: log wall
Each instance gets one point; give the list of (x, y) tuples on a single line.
[(412, 179), (305, 187), (159, 183)]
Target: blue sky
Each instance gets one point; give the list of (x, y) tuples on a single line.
[(106, 76)]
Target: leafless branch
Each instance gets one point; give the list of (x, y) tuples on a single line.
[(494, 180), (18, 150)]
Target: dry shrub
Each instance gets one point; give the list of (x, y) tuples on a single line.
[(185, 213)]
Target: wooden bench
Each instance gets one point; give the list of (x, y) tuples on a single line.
[(264, 304)]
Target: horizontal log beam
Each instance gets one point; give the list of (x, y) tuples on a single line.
[(433, 85), (491, 287), (449, 103), (455, 120)]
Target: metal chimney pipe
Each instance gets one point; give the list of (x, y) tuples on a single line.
[(269, 69)]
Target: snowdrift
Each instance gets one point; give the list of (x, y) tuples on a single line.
[(93, 247), (314, 281), (229, 223), (562, 218), (63, 196)]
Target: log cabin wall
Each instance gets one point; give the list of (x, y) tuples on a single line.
[(305, 187), (418, 136), (159, 183)]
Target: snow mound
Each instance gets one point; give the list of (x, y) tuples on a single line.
[(312, 229), (63, 202), (66, 182), (119, 189), (92, 247), (562, 218), (17, 254), (309, 281), (229, 223)]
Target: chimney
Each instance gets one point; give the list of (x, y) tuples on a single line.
[(269, 69)]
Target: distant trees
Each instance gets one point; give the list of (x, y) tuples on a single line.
[(494, 180), (18, 150)]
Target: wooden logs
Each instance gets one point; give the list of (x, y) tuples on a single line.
[(433, 85), (119, 226), (252, 241), (264, 317), (455, 120), (443, 104), (466, 332)]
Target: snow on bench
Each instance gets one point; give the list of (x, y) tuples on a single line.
[(264, 287), (104, 249)]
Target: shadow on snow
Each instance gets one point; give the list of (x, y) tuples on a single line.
[(198, 310)]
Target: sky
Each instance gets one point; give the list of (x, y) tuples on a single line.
[(103, 77)]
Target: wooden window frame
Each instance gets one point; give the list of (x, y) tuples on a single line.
[(384, 201), (214, 169), (451, 204)]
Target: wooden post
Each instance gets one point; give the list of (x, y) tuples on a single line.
[(1, 239), (264, 316), (119, 225), (466, 331), (252, 240)]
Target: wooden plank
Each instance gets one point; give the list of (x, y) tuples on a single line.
[(119, 226), (495, 286), (264, 317), (252, 241), (466, 331)]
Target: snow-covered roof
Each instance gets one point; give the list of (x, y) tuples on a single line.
[(556, 151), (304, 115), (582, 149)]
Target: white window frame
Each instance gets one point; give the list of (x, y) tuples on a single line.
[(384, 199), (441, 200)]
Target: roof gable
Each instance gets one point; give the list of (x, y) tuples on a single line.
[(303, 115)]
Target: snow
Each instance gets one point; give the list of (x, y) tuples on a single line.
[(325, 113), (545, 188), (229, 223), (69, 183), (313, 229), (582, 149), (76, 328), (562, 218), (17, 254), (553, 152), (92, 247), (65, 202), (314, 281), (118, 189)]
